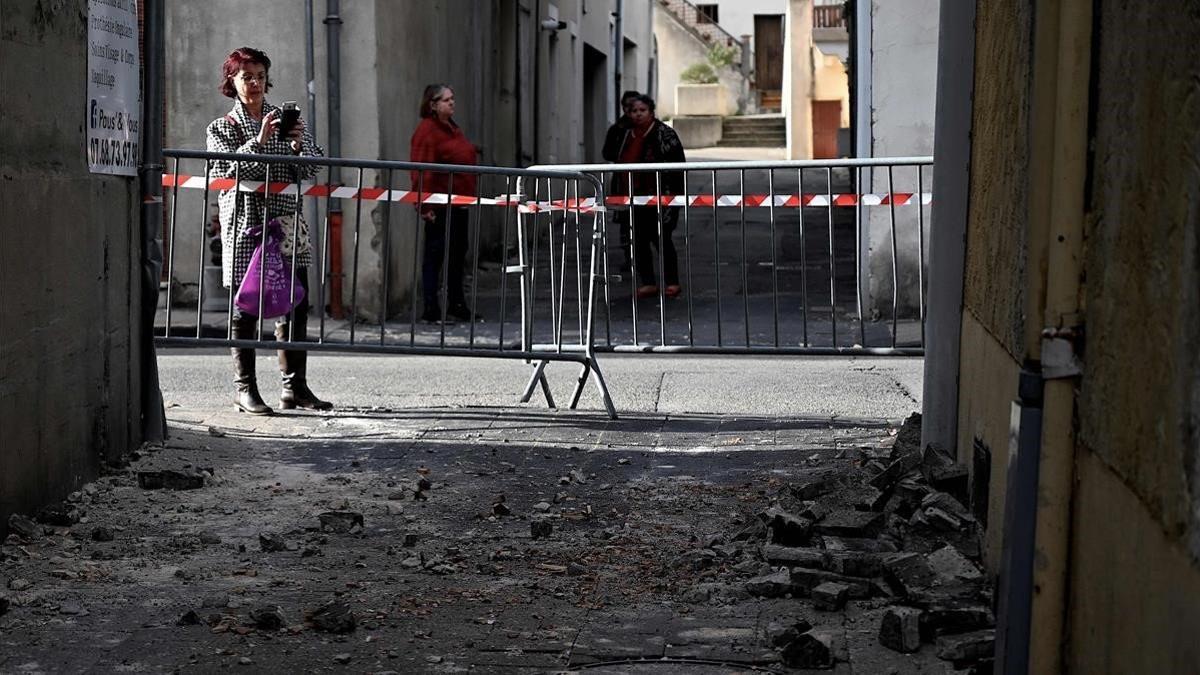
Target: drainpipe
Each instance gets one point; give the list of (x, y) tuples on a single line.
[(1037, 596), (537, 80), (154, 418), (333, 24), (1062, 333), (861, 40), (310, 77), (618, 49), (310, 113), (519, 160)]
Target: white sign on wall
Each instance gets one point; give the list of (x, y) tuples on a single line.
[(114, 91)]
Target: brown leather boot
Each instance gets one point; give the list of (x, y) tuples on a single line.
[(293, 369), (247, 399)]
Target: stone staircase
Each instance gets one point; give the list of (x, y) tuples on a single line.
[(688, 15), (756, 131)]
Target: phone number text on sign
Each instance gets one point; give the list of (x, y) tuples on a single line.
[(113, 88)]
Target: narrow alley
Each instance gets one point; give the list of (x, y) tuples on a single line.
[(466, 535)]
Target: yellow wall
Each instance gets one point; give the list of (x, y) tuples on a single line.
[(988, 374), (1129, 595), (1143, 263), (994, 265), (1135, 594), (830, 82)]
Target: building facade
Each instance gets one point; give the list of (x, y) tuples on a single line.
[(535, 81), (71, 344), (1062, 363)]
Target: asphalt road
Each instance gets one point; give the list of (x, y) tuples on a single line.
[(819, 387)]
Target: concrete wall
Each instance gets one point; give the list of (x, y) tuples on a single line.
[(389, 52), (1139, 398), (994, 267), (1133, 605), (1132, 548), (1143, 262), (69, 372), (678, 49), (830, 82), (902, 93), (808, 75), (737, 16), (798, 73), (903, 76)]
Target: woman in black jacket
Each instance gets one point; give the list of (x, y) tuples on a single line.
[(649, 140), (616, 133)]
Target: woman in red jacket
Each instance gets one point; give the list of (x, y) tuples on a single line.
[(439, 140)]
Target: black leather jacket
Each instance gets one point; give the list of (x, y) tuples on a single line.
[(662, 144)]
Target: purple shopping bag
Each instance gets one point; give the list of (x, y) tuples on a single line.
[(275, 284)]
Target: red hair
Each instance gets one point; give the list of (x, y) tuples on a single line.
[(235, 62)]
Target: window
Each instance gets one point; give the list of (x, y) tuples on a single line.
[(707, 14)]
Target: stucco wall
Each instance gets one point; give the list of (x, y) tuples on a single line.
[(1134, 591), (425, 56), (798, 73), (1135, 509), (994, 266), (678, 49), (737, 16), (994, 271), (902, 94), (830, 82), (989, 377), (69, 392), (1143, 265), (193, 72), (903, 76), (389, 52)]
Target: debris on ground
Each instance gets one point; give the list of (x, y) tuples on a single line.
[(547, 559), (170, 479), (332, 617), (837, 537), (342, 522)]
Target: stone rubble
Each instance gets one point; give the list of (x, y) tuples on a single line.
[(873, 539), (894, 531)]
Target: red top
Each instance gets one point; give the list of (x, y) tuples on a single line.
[(631, 153), (442, 143)]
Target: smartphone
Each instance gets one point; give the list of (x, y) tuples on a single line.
[(288, 119)]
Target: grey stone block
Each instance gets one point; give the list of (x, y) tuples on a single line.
[(829, 596), (900, 629), (814, 649), (972, 646), (774, 585)]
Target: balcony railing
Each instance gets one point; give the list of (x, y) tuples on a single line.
[(710, 33), (828, 16)]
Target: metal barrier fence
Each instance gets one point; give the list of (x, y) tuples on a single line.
[(503, 321), (788, 257)]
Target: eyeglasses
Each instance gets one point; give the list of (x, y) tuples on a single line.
[(248, 78)]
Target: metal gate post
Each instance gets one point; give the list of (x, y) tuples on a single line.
[(523, 239)]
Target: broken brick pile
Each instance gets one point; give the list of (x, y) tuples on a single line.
[(894, 529)]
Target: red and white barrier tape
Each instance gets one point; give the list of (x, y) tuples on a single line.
[(529, 206)]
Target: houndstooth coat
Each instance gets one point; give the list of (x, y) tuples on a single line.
[(238, 132)]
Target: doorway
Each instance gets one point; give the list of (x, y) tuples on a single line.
[(595, 102), (768, 60), (826, 120)]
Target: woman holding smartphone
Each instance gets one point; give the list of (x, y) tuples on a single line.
[(257, 127)]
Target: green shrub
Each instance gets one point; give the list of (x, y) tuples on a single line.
[(698, 73), (721, 56)]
